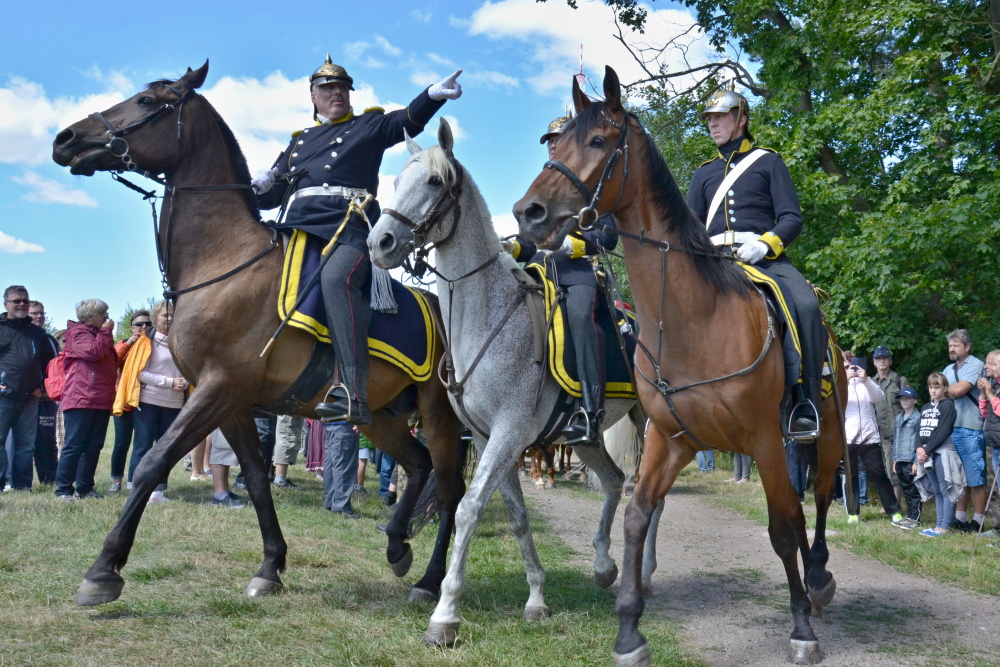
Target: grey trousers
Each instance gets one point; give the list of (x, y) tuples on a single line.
[(346, 294), (340, 465)]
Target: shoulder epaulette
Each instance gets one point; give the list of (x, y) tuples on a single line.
[(708, 162), (296, 133), (765, 148), (374, 110)]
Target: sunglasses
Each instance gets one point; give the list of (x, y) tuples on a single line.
[(142, 325), (19, 302)]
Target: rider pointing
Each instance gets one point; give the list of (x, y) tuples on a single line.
[(747, 200), (324, 169)]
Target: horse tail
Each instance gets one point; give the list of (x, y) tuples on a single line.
[(623, 442), (426, 507)]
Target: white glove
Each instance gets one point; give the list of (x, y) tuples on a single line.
[(449, 89), (264, 179), (507, 245), (751, 253)]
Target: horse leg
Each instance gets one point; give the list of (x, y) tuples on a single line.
[(612, 480), (517, 514), (649, 553), (536, 467), (819, 581), (103, 582), (551, 465), (787, 529), (494, 466), (663, 459), (241, 433)]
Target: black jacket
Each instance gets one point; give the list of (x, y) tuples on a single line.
[(25, 351), (566, 270)]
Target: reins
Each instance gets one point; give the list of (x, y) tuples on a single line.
[(118, 147)]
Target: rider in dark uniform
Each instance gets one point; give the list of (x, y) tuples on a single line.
[(757, 218), (571, 269), (322, 171)]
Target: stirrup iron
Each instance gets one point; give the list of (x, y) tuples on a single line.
[(796, 415)]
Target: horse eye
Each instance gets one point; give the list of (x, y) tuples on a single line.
[(434, 180), (597, 142), (145, 101)]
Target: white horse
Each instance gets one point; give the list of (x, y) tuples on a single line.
[(495, 381)]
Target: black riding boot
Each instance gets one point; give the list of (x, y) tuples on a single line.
[(584, 427)]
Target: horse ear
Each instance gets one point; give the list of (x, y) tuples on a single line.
[(580, 99), (612, 90), (411, 145), (196, 77), (446, 140)]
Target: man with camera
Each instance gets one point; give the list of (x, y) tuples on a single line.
[(24, 354)]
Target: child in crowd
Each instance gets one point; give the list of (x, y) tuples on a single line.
[(904, 445), (936, 455), (989, 408)]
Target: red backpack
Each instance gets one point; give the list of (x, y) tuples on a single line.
[(55, 377)]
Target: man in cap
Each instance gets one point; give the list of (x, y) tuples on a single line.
[(574, 272), (747, 201), (890, 382), (322, 171)]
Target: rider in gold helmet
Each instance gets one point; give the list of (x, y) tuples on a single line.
[(747, 201), (324, 169)]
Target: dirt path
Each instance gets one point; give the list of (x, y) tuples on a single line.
[(720, 580)]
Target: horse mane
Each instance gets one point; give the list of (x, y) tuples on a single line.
[(437, 161), (237, 160), (670, 203)]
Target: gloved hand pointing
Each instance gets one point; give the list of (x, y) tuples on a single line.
[(448, 89)]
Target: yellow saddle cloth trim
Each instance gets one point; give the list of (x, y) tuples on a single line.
[(293, 278), (558, 340), (759, 278)]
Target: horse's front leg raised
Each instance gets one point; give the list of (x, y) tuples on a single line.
[(103, 582), (612, 480), (241, 433)]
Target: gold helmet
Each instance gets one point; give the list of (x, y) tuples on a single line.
[(555, 127), (330, 73), (723, 101)]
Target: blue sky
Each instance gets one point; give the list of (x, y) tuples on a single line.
[(70, 238)]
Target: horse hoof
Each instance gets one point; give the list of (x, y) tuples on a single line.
[(441, 634), (820, 598), (422, 595), (636, 658), (402, 566), (804, 652), (550, 485), (92, 593), (647, 591), (260, 587), (605, 579), (536, 613)]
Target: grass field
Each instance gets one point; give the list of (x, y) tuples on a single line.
[(183, 603), (947, 558)]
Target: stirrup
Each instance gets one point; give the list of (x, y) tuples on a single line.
[(582, 437), (804, 428), (338, 406)]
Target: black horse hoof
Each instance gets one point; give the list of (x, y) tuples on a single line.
[(804, 652), (422, 595), (441, 634), (605, 579), (636, 658), (821, 597), (92, 593), (532, 614), (402, 566), (260, 587)]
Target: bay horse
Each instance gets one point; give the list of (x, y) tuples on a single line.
[(210, 223), (711, 376), (505, 398)]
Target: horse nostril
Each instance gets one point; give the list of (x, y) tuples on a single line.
[(535, 212), (64, 137), (386, 243)]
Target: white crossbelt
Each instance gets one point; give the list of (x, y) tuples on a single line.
[(727, 183), (734, 238), (335, 190)]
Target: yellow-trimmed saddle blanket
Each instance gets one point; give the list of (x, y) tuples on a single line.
[(405, 339)]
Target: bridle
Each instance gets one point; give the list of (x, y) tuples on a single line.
[(448, 201), (588, 215), (118, 147)]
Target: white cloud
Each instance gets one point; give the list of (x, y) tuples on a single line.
[(490, 79), (421, 16), (505, 224), (14, 246), (444, 61), (388, 47), (47, 191), (553, 32)]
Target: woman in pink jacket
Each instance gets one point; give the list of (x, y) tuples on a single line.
[(90, 369)]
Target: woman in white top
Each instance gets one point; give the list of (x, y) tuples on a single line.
[(161, 395), (863, 436)]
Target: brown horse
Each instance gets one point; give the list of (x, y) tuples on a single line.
[(209, 225), (711, 376)]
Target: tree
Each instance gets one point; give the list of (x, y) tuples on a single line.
[(124, 329)]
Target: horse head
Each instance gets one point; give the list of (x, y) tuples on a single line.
[(581, 181), (426, 191), (111, 140)]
